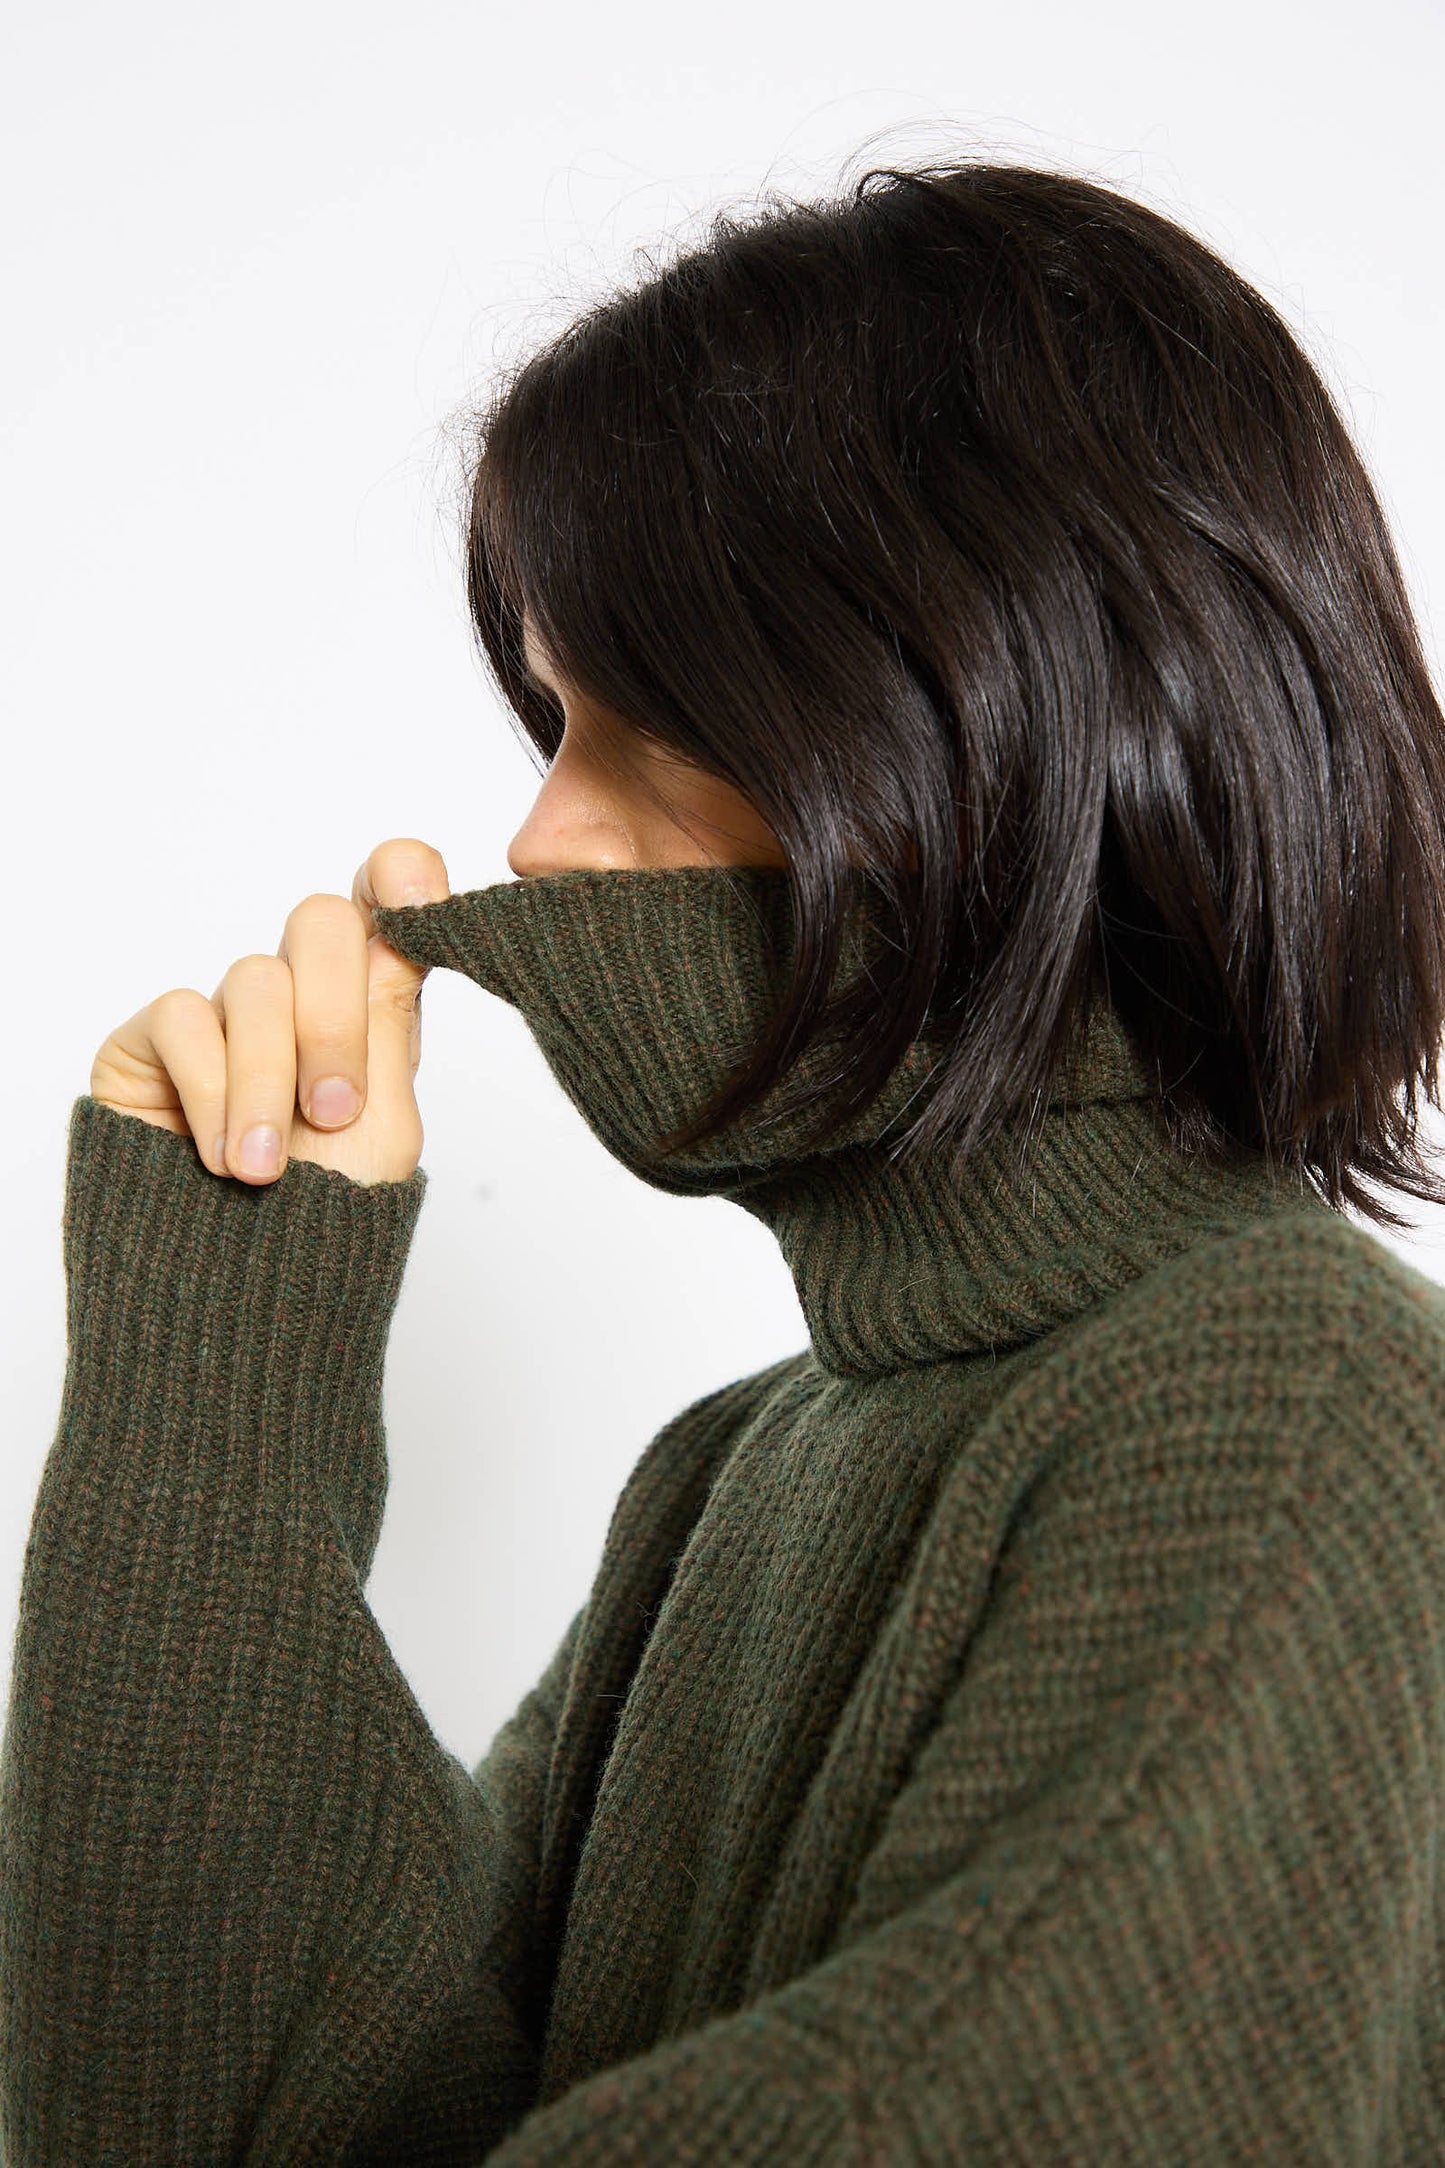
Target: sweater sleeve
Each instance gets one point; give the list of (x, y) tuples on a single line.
[(1207, 1931), (245, 1895)]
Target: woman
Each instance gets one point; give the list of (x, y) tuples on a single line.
[(994, 829)]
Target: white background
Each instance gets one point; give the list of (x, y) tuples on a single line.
[(254, 262)]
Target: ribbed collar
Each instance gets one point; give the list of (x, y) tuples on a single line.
[(643, 987)]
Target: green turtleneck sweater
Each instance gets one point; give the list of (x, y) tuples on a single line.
[(1010, 1730)]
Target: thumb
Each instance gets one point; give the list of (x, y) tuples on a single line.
[(400, 871), (397, 872), (393, 1027)]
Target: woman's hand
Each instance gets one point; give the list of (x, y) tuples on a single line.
[(274, 1047)]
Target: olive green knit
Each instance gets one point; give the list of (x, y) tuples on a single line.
[(1010, 1730)]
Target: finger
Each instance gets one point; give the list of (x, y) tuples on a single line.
[(256, 1010), (401, 870), (324, 943), (180, 1034)]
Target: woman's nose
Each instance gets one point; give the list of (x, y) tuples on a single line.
[(568, 828)]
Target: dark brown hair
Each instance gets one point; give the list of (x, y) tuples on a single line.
[(992, 536)]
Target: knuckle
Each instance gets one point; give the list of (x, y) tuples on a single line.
[(335, 1034), (179, 1002), (260, 968), (322, 904), (400, 1000)]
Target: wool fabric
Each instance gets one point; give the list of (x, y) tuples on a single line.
[(1009, 1730)]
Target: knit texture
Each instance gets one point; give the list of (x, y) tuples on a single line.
[(1010, 1730)]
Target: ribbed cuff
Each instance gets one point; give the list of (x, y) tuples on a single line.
[(200, 1303), (220, 1807)]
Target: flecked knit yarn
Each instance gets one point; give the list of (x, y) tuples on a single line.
[(1010, 1730)]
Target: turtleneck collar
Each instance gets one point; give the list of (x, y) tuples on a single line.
[(644, 987)]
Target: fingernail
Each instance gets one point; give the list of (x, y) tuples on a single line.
[(260, 1151), (416, 895), (334, 1099)]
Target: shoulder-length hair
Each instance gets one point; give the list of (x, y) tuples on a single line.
[(992, 536)]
